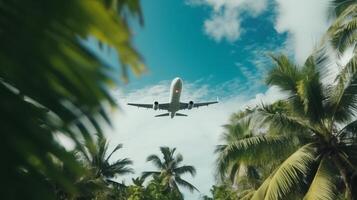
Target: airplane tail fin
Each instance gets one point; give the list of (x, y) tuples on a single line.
[(162, 115), (179, 114)]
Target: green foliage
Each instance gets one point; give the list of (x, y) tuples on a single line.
[(308, 139), (154, 190), (222, 192), (157, 190), (50, 84)]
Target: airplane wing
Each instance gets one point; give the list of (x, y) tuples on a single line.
[(196, 105), (140, 105), (161, 106)]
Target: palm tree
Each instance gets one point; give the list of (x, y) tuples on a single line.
[(243, 177), (97, 159), (170, 171), (310, 136), (50, 83)]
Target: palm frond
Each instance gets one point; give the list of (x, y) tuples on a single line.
[(67, 83), (138, 181), (341, 5), (146, 174), (259, 194), (185, 169), (155, 160), (279, 117), (237, 130), (310, 91), (233, 171), (323, 186), (246, 113), (349, 154), (344, 97), (119, 167), (290, 173), (284, 75), (348, 133), (255, 150), (102, 148), (178, 159), (343, 31), (168, 154), (185, 184), (246, 194), (119, 146)]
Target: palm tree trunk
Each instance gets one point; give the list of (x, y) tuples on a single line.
[(344, 174)]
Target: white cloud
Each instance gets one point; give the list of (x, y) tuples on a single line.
[(225, 20), (305, 21), (225, 25), (194, 136)]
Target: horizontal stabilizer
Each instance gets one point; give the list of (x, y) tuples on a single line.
[(163, 115), (179, 114)]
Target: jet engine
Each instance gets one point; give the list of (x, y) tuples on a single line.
[(155, 106), (190, 105)]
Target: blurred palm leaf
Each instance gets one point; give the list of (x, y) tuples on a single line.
[(50, 83)]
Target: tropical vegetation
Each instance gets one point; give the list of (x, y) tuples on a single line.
[(303, 146), (51, 85)]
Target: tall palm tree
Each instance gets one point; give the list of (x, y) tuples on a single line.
[(97, 159), (311, 135), (50, 83), (169, 170)]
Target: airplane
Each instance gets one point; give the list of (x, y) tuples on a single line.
[(174, 105)]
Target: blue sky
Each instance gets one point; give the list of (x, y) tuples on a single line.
[(173, 43), (218, 48)]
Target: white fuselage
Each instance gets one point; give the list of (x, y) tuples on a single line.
[(175, 93)]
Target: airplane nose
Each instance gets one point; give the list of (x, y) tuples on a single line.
[(178, 81)]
